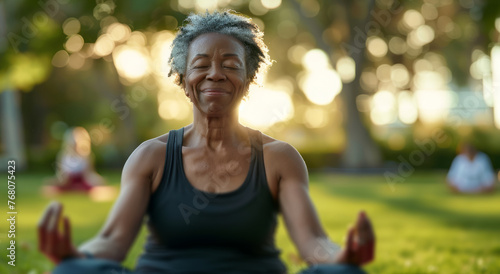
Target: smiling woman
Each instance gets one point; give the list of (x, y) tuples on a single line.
[(212, 190)]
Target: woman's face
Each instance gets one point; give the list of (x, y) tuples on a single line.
[(215, 78)]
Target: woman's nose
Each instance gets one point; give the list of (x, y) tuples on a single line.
[(216, 73)]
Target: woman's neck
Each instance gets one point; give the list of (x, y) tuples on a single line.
[(215, 132)]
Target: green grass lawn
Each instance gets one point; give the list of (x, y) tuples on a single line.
[(420, 226)]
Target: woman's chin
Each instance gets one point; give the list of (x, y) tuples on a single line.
[(219, 111)]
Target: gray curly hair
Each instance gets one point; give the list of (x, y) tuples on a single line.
[(228, 23)]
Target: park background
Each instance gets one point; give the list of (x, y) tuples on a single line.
[(375, 94)]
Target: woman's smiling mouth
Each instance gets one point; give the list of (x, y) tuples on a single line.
[(213, 92)]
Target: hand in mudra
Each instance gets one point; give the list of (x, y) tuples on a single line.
[(55, 244), (360, 243)]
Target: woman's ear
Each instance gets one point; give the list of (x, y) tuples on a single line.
[(184, 88), (181, 81)]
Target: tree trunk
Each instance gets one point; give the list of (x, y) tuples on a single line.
[(12, 130), (361, 150)]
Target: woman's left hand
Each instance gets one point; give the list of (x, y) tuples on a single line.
[(360, 243)]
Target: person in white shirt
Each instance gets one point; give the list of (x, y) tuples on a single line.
[(471, 172)]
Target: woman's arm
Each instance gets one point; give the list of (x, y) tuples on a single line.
[(302, 220), (123, 222)]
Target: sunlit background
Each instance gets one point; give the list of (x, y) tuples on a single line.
[(388, 70)]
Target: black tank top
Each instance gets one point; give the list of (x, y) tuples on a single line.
[(192, 231)]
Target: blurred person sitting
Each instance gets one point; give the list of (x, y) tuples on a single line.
[(75, 171), (471, 172)]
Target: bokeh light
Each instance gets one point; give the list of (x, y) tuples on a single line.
[(296, 53), (422, 65), (206, 5), (76, 61), (407, 108), (383, 108), (421, 36), (74, 43), (413, 19), (400, 76), (376, 46), (433, 105), (271, 4), (319, 82), (257, 8), (137, 38), (119, 32), (186, 4), (397, 45), (383, 73), (315, 59), (87, 50), (71, 26), (160, 52), (346, 68), (265, 107), (481, 66), (131, 63), (428, 80), (60, 59), (104, 45), (321, 87)]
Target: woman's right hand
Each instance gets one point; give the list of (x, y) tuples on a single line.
[(55, 244)]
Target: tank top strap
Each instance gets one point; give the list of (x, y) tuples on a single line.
[(171, 162), (256, 142), (179, 135), (174, 143), (258, 151)]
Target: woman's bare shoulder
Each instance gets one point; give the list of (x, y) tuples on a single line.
[(151, 150), (154, 142), (283, 161), (274, 145)]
